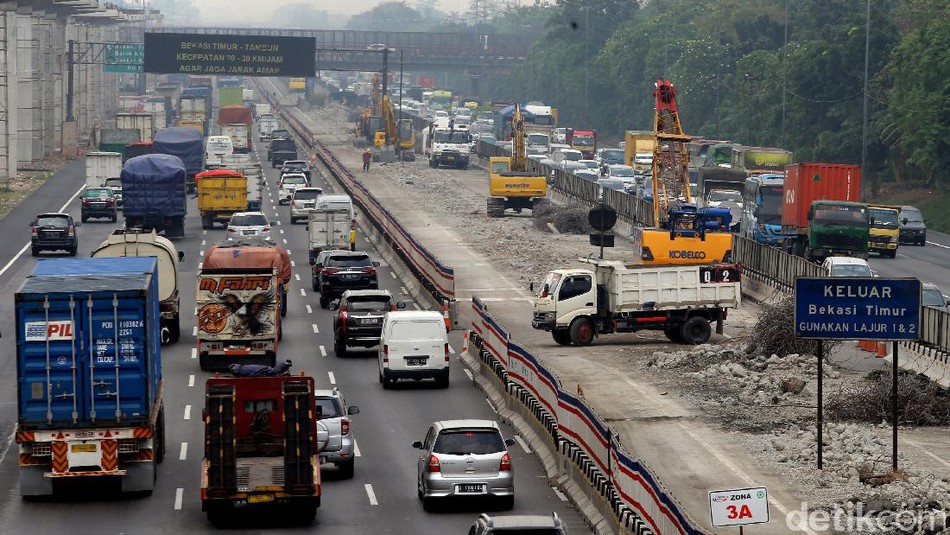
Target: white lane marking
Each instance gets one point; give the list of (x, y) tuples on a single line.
[(281, 231), (200, 253), (196, 311), (194, 331), (469, 374), (191, 381), (187, 412), (9, 444), (309, 310), (323, 351), (289, 252), (303, 292), (194, 351), (203, 243), (184, 452), (332, 378), (179, 494), (356, 449), (416, 305), (27, 246), (490, 405), (452, 351), (392, 274), (297, 276), (370, 494), (285, 240), (316, 330), (293, 264), (939, 244), (403, 289), (523, 444), (204, 232), (560, 495)]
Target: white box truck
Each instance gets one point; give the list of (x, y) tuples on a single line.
[(101, 166), (240, 135), (143, 122), (576, 305)]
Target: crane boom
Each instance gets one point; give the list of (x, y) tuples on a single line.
[(519, 158), (670, 154)]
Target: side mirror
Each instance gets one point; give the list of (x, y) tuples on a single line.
[(32, 223), (77, 224), (181, 256), (375, 264), (401, 305), (352, 410), (509, 442), (417, 444), (333, 305)]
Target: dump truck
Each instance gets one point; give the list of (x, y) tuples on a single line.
[(134, 242), (822, 212), (101, 166), (584, 141), (185, 143), (261, 446), (639, 143), (576, 305), (221, 193), (89, 374), (154, 194)]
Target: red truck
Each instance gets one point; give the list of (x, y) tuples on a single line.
[(261, 447), (584, 141), (822, 212)]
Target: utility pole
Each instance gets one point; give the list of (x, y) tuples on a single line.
[(864, 122), (586, 65), (784, 74), (751, 78), (70, 67), (385, 84)]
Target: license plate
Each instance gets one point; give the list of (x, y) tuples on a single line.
[(349, 276), (260, 498), (450, 157), (471, 488), (369, 321), (416, 361), (83, 448), (249, 232)]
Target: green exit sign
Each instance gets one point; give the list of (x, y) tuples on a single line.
[(120, 68), (124, 54)]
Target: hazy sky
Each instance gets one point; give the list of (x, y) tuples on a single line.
[(245, 12)]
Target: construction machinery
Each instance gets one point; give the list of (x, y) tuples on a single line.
[(682, 234), (510, 183)]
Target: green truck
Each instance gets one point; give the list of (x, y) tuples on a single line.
[(822, 212)]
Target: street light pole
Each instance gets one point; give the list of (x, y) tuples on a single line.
[(751, 78), (784, 74), (864, 121), (586, 65)]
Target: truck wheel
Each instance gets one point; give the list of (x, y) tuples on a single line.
[(316, 287), (695, 331), (115, 218), (283, 303), (174, 329), (158, 444), (72, 252), (562, 336), (204, 361), (673, 334), (582, 332), (496, 207), (324, 301), (35, 251), (433, 165), (339, 347), (892, 254), (305, 514)]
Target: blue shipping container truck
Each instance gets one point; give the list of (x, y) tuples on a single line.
[(154, 194), (186, 143), (89, 373)]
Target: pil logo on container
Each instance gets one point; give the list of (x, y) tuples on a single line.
[(41, 331)]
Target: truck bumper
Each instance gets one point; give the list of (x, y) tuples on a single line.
[(216, 505), (458, 160)]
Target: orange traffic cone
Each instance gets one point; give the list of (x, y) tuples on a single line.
[(881, 349)]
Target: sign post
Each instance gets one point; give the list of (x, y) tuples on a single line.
[(858, 308), (739, 507)]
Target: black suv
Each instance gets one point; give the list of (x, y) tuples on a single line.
[(54, 232), (99, 202), (359, 318), (533, 524), (342, 271), (912, 226)]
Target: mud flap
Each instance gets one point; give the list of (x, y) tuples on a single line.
[(32, 482)]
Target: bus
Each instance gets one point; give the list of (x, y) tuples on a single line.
[(762, 209)]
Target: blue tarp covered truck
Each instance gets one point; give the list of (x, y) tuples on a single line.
[(154, 194), (184, 142), (89, 374)]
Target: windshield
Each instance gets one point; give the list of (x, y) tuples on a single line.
[(457, 136), (590, 164), (549, 283), (622, 171), (850, 270), (538, 139), (612, 184), (294, 166), (52, 221), (294, 180), (886, 219), (249, 220), (349, 261), (469, 442), (306, 194), (770, 206), (613, 154), (912, 215), (368, 304), (499, 166), (328, 408), (583, 140), (719, 195), (98, 193), (114, 182), (933, 298), (849, 216)]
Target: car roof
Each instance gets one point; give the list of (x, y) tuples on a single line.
[(462, 423), (344, 252), (413, 315), (929, 286), (308, 188), (295, 161), (367, 293), (53, 214), (523, 521), (847, 260), (297, 174), (248, 213), (336, 197), (331, 393)]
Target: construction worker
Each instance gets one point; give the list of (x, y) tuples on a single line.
[(367, 157)]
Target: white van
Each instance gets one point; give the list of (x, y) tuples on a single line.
[(335, 203), (414, 345), (216, 148)]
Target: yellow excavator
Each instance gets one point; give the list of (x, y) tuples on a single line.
[(370, 119), (683, 233), (510, 183)]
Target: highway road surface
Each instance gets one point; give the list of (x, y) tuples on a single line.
[(381, 498)]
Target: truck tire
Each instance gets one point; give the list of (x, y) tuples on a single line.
[(158, 444), (174, 329), (496, 207), (305, 514), (562, 336), (324, 301), (433, 164), (339, 348), (582, 332), (204, 361), (892, 253), (283, 303), (673, 334), (695, 330)]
